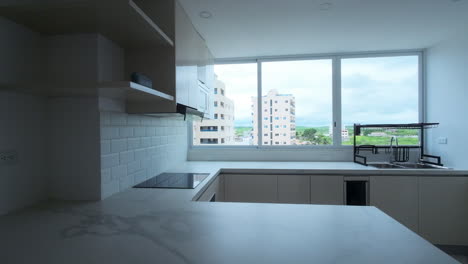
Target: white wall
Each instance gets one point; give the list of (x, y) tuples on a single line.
[(135, 148), (73, 149), (447, 100), (22, 129), (22, 119)]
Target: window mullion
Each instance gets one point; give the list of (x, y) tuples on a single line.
[(336, 99), (259, 104)]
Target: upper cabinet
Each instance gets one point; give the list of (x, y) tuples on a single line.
[(93, 47)]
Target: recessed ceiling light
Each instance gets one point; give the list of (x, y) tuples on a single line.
[(325, 6), (205, 14)]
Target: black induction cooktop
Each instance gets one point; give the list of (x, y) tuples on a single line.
[(174, 181)]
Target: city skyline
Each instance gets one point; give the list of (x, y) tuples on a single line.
[(363, 80)]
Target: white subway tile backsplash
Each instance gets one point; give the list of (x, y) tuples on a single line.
[(118, 119), (126, 132), (105, 118), (127, 182), (127, 157), (119, 172), (150, 131), (140, 154), (134, 166), (139, 176), (133, 143), (140, 131), (118, 145), (109, 132), (105, 147), (109, 161), (133, 120), (141, 147), (110, 188), (145, 142), (106, 175)]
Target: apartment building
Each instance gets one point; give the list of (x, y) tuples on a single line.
[(219, 130), (278, 119)]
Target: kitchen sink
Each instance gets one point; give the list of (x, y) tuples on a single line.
[(385, 166), (420, 166)]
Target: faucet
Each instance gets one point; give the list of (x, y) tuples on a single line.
[(394, 138)]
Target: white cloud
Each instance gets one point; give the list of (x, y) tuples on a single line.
[(374, 90)]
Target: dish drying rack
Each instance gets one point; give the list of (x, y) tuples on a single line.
[(400, 153)]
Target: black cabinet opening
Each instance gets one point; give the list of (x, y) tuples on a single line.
[(356, 193)]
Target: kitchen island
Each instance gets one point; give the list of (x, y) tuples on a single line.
[(165, 226)]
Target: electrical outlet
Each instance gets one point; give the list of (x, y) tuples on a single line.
[(8, 157)]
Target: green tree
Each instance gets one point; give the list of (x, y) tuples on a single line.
[(309, 134)]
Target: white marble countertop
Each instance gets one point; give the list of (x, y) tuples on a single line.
[(165, 226), (297, 168)]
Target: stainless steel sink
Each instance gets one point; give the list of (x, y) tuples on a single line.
[(385, 166), (420, 166)]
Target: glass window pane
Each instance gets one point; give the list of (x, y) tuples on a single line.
[(235, 85), (380, 90), (296, 102)]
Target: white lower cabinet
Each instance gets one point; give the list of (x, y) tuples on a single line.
[(443, 210), (397, 196), (326, 190), (251, 188), (294, 189)]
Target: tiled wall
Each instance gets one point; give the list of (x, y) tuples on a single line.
[(135, 148)]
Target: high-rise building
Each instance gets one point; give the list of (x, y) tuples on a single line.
[(278, 119), (220, 129)]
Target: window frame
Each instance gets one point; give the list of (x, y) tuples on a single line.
[(336, 93)]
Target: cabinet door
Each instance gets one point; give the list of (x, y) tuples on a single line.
[(251, 188), (397, 196), (294, 189), (186, 59), (443, 210), (326, 190)]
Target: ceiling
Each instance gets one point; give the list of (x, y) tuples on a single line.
[(250, 28)]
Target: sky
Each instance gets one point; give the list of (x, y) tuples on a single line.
[(374, 90)]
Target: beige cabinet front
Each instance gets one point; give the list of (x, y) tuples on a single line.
[(443, 210), (326, 189), (396, 196), (251, 188), (294, 189)]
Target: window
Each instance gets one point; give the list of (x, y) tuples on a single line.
[(303, 90), (208, 141), (237, 83), (297, 104), (380, 90)]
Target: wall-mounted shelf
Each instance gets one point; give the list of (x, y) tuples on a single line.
[(132, 92), (122, 21)]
